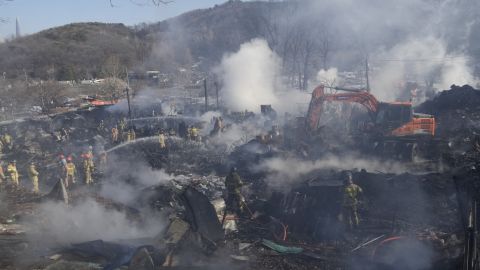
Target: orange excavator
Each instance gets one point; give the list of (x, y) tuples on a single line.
[(394, 127)]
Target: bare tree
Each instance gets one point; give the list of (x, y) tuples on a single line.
[(112, 70)]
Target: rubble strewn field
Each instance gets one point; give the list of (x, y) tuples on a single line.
[(154, 207)]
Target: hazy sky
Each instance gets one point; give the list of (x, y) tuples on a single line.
[(36, 15)]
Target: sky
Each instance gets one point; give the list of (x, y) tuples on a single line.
[(37, 15)]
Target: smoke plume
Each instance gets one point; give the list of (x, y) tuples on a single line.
[(249, 76)]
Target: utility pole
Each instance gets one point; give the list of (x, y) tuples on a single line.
[(128, 101), (216, 94), (206, 94)]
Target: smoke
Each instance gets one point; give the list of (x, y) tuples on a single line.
[(423, 60), (127, 177), (422, 41), (88, 220), (285, 172), (328, 77), (249, 76)]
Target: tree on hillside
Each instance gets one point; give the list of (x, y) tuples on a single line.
[(112, 70)]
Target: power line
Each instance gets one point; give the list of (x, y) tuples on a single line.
[(445, 59)]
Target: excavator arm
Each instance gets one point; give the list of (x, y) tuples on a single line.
[(353, 96)]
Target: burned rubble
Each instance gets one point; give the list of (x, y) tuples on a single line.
[(161, 203)]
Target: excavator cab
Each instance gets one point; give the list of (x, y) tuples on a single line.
[(393, 115)]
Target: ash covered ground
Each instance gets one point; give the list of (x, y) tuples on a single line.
[(157, 199)]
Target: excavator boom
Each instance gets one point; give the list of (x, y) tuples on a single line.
[(353, 96)]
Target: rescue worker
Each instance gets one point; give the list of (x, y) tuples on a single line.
[(89, 156), (103, 161), (161, 140), (115, 134), (13, 173), (71, 171), (131, 135), (182, 129), (351, 194), (235, 201), (2, 175), (122, 124), (7, 141), (33, 175), (217, 126), (194, 133), (87, 170)]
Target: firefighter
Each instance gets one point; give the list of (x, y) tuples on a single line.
[(182, 129), (71, 171), (351, 194), (87, 170), (131, 135), (33, 174), (103, 161), (217, 127), (194, 134), (7, 141), (235, 201), (89, 156), (13, 173), (122, 124), (161, 140), (2, 174), (115, 134)]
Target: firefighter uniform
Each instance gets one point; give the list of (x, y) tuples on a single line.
[(7, 141), (87, 169), (161, 141), (131, 135), (89, 157), (193, 133), (122, 124), (2, 174), (103, 161), (351, 193), (33, 174), (71, 170), (235, 200), (13, 173), (114, 135)]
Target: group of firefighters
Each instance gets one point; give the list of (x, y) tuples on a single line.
[(119, 132), (13, 177), (69, 170), (352, 193)]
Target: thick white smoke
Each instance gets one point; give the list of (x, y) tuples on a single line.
[(328, 77), (420, 60), (249, 76), (128, 178), (284, 172), (86, 221)]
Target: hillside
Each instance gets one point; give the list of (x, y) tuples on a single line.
[(77, 51), (212, 32), (307, 40), (73, 51)]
